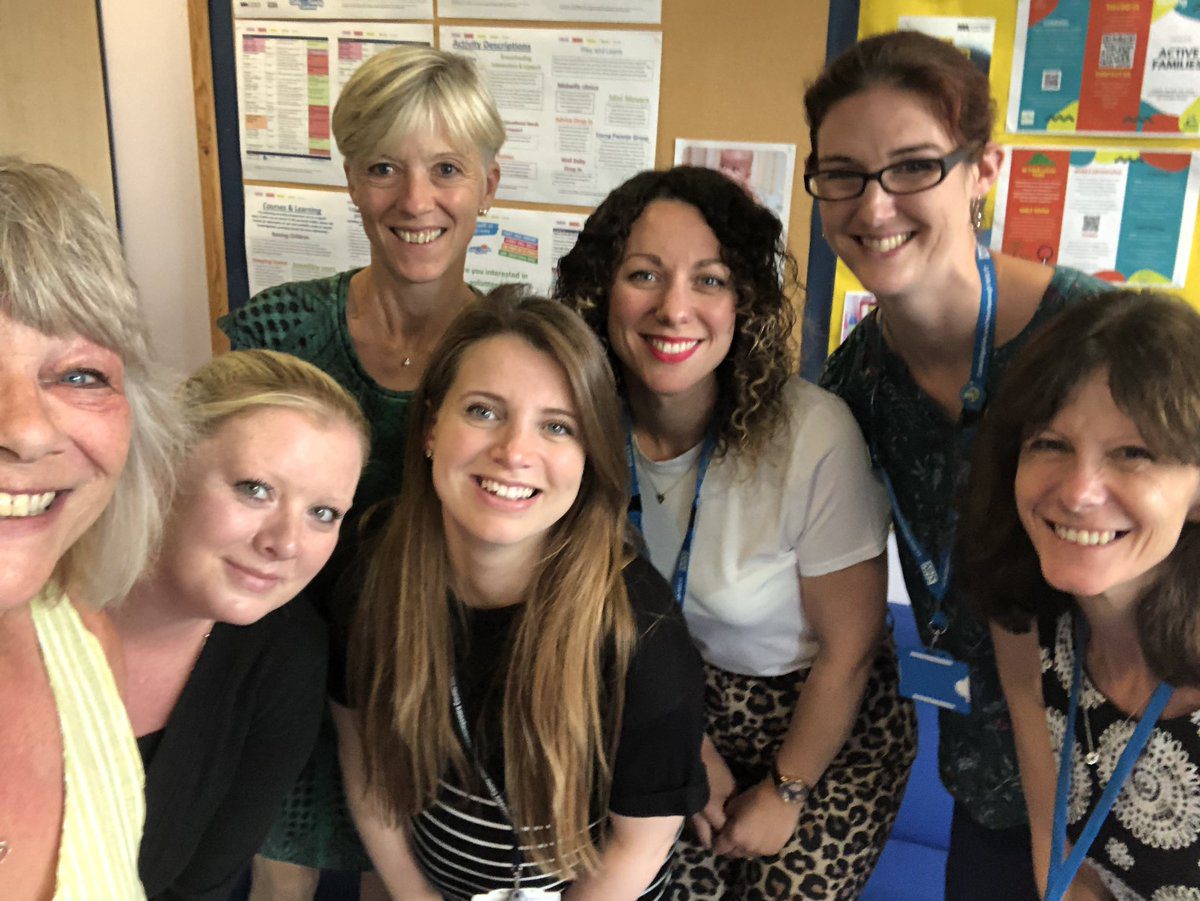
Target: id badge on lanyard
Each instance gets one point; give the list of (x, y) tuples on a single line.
[(929, 674), (518, 894)]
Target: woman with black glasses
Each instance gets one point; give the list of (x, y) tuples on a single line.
[(901, 162)]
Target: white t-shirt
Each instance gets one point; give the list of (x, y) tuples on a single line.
[(810, 506)]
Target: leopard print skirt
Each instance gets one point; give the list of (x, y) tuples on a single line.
[(848, 815)]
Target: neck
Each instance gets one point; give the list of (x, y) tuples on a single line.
[(667, 426), (402, 309), (1114, 655), (489, 578), (146, 616), (934, 325)]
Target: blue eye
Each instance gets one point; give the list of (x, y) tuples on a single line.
[(560, 429), (480, 411), (326, 515), (84, 378), (713, 282), (448, 170), (254, 489), (642, 275)]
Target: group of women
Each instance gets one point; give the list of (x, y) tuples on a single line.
[(608, 618)]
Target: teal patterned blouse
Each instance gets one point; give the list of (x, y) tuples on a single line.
[(917, 444)]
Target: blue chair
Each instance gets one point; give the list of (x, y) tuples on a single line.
[(913, 864)]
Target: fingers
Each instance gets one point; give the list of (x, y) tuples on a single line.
[(714, 813), (703, 830)]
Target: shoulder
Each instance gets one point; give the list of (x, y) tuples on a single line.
[(273, 317), (1068, 286), (819, 423), (846, 372)]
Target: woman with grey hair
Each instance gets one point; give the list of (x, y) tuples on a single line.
[(420, 134), (88, 440)]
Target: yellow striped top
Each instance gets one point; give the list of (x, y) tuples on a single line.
[(105, 806)]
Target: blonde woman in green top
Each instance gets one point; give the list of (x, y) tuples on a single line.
[(420, 134)]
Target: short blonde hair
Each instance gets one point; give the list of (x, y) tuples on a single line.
[(406, 89), (62, 273), (244, 380)]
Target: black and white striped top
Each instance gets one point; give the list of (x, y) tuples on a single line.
[(464, 842)]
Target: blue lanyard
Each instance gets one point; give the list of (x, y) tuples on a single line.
[(973, 394), (1062, 871), (680, 578)]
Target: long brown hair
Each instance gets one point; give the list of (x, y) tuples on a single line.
[(1146, 343), (573, 642)]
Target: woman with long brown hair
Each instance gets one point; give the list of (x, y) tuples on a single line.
[(526, 703)]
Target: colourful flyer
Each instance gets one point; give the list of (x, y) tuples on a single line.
[(1107, 67), (1123, 215)]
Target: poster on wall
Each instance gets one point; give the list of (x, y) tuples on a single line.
[(973, 35), (520, 246), (1124, 215), (289, 76), (333, 9), (764, 171), (639, 12), (293, 234), (580, 107), (1106, 68)]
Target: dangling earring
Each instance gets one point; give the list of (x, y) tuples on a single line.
[(483, 211), (429, 453), (977, 206)]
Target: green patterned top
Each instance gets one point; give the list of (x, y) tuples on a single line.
[(916, 443)]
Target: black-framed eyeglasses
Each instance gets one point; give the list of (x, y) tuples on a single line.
[(905, 177)]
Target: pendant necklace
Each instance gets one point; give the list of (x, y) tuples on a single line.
[(5, 847), (1092, 757), (660, 495)]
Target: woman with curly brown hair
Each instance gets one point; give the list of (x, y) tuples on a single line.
[(754, 493)]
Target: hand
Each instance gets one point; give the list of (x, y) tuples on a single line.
[(759, 823), (711, 820)]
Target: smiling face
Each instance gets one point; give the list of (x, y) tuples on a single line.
[(894, 244), (419, 200), (64, 434), (507, 457), (1101, 510), (258, 511), (672, 307)]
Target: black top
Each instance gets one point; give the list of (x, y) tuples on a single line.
[(242, 729), (464, 843)]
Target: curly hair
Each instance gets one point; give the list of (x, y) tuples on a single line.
[(1146, 344), (761, 359)]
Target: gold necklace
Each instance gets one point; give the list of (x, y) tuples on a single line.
[(5, 847)]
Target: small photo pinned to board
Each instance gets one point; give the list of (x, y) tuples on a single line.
[(765, 171)]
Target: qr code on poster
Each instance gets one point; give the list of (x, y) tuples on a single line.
[(1116, 50), (1091, 225), (1051, 79)]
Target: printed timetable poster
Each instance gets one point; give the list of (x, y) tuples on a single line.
[(1122, 215), (1107, 66), (289, 77)]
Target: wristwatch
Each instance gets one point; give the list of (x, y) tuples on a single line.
[(791, 789)]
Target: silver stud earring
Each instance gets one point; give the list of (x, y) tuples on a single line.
[(429, 453), (483, 211)]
